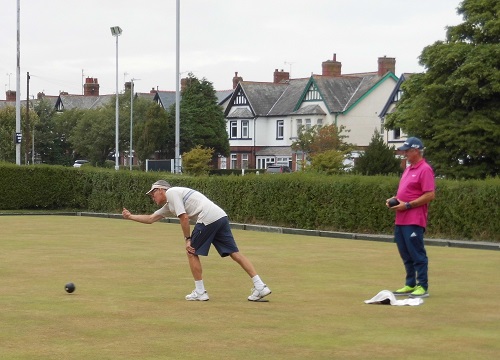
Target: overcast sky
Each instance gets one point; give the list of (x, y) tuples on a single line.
[(60, 38)]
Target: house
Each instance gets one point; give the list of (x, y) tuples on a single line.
[(263, 118), (394, 136)]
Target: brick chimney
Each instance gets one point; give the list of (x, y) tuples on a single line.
[(40, 95), (128, 85), (332, 67), (281, 76), (184, 84), (91, 87), (153, 91), (385, 65), (236, 79), (10, 95)]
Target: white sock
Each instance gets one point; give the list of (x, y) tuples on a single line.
[(200, 288), (257, 282)]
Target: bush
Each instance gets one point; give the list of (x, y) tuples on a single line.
[(348, 203)]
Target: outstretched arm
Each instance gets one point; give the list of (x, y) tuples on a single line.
[(145, 219)]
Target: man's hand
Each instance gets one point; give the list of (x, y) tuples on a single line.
[(190, 250), (126, 214)]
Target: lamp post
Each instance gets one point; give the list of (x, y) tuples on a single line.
[(116, 31), (131, 154)]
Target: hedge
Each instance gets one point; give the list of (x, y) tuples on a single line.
[(462, 210)]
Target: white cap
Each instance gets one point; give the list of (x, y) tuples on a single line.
[(160, 184)]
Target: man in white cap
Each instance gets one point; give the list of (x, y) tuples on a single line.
[(415, 192), (212, 227)]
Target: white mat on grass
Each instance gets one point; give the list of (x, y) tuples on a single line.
[(386, 297)]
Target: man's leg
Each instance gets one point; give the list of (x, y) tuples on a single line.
[(243, 261), (400, 236)]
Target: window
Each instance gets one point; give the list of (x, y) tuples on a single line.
[(308, 124), (280, 129), (234, 161), (233, 125), (299, 125), (319, 122), (240, 99), (244, 161), (244, 129), (312, 94), (397, 133)]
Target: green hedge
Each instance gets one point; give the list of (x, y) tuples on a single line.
[(346, 203)]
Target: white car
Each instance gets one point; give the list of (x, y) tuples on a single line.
[(79, 163)]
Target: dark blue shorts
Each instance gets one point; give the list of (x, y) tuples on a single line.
[(217, 233)]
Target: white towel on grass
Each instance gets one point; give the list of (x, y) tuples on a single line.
[(386, 297)]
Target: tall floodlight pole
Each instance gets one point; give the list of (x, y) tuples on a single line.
[(116, 31), (131, 154), (177, 92), (17, 136)]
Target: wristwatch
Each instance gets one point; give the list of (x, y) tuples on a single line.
[(187, 238), (407, 205)]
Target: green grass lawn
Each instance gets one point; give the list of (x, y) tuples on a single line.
[(131, 280)]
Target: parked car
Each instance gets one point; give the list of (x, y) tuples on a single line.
[(79, 163), (278, 169)]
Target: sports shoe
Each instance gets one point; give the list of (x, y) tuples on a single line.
[(405, 290), (256, 294), (195, 296), (419, 292)]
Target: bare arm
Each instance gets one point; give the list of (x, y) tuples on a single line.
[(145, 219), (425, 198)]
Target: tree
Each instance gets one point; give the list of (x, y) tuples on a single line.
[(321, 142), (7, 131), (378, 158), (202, 119), (197, 160), (52, 132), (454, 107)]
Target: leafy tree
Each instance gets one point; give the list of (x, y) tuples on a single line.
[(7, 131), (378, 158), (94, 135), (197, 160), (154, 131), (329, 162), (320, 142), (454, 107), (52, 134), (202, 119)]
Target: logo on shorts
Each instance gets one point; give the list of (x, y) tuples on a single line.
[(413, 234)]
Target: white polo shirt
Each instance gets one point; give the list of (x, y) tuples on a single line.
[(199, 208)]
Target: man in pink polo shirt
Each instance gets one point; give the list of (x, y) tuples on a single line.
[(415, 192)]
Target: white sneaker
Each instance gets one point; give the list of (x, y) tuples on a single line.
[(195, 296), (256, 294)]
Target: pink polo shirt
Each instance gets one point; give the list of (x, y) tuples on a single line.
[(416, 180)]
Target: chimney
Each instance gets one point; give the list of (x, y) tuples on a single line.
[(236, 79), (184, 84), (385, 65), (332, 67), (40, 95), (128, 85), (91, 87), (153, 91), (281, 77), (10, 95)]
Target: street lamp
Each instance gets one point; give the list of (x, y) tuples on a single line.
[(116, 31), (131, 154)]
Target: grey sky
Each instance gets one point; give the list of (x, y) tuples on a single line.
[(59, 38)]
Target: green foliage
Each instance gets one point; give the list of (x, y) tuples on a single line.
[(325, 148), (346, 203), (455, 106), (202, 119), (197, 161), (378, 158), (7, 131), (328, 162)]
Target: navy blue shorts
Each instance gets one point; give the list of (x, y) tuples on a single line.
[(217, 233)]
